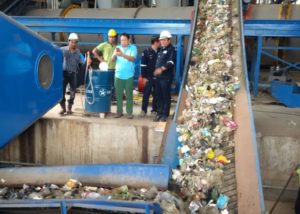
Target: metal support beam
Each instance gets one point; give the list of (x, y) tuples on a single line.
[(178, 28), (257, 65), (63, 207), (179, 61), (280, 60), (274, 28), (269, 28), (109, 205), (97, 25)]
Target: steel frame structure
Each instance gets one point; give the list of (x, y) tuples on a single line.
[(260, 29), (178, 28), (64, 205)]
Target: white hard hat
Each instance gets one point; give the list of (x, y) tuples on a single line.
[(165, 34), (73, 36)]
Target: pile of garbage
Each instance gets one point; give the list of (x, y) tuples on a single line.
[(74, 189), (206, 125)]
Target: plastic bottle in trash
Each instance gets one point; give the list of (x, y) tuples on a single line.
[(90, 195)]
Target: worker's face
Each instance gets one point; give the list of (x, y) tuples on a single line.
[(165, 42), (124, 41), (73, 44), (156, 44), (112, 39)]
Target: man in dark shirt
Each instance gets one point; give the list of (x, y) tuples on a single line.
[(164, 74), (148, 62), (71, 62)]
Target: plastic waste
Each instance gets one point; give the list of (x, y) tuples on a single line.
[(90, 195), (205, 126), (222, 201)]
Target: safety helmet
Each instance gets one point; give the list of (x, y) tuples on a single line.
[(73, 36), (112, 32), (165, 34)]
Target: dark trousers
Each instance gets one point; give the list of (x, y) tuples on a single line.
[(68, 78), (113, 89), (163, 95), (297, 204), (149, 89)]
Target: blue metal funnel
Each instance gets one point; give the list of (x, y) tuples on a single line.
[(31, 78)]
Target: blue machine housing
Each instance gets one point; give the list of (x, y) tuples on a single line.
[(31, 74), (286, 93)]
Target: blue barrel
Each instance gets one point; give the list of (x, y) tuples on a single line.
[(98, 91)]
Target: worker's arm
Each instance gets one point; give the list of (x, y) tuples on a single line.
[(114, 56), (96, 51), (170, 62), (99, 57), (82, 60), (128, 57), (131, 56)]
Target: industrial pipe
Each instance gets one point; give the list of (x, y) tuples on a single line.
[(106, 175)]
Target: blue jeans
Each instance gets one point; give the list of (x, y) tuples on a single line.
[(149, 89)]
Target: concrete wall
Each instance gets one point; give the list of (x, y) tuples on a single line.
[(279, 146), (67, 142)]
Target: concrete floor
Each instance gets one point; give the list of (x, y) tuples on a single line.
[(80, 114), (281, 208)]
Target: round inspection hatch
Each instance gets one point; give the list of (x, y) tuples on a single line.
[(45, 72)]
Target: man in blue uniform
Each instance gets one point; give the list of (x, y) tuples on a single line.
[(148, 62), (164, 73)]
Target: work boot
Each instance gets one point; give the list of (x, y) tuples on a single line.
[(63, 111), (69, 110), (153, 113), (129, 116), (118, 115), (142, 114), (157, 118), (163, 119)]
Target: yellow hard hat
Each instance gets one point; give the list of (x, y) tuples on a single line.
[(112, 32)]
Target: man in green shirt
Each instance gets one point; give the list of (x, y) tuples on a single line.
[(104, 51)]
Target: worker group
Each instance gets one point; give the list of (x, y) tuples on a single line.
[(157, 66)]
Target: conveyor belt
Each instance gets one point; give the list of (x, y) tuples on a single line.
[(241, 178)]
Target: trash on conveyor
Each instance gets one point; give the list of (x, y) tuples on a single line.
[(73, 189), (206, 124), (205, 129)]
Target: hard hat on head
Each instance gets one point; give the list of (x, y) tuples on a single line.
[(73, 36), (165, 35), (112, 32)]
